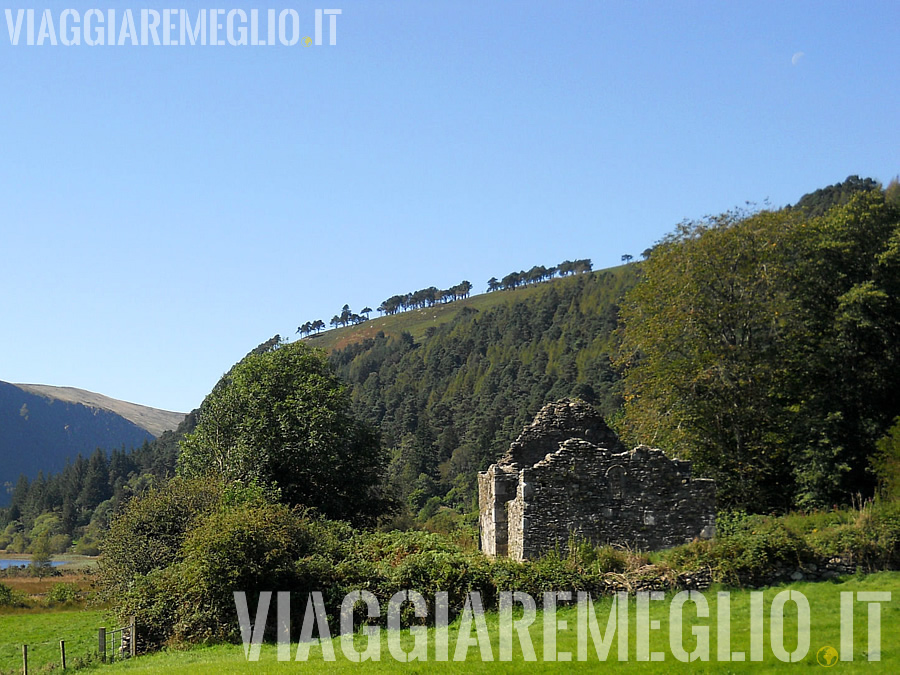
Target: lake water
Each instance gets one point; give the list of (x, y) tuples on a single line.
[(6, 562)]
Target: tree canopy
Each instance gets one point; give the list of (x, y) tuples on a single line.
[(763, 346), (282, 418)]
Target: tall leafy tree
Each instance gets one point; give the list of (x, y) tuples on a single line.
[(283, 418), (699, 334), (762, 346), (845, 347)]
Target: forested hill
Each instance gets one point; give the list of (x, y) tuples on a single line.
[(41, 427), (762, 346), (449, 403)]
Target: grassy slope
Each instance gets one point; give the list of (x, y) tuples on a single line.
[(416, 321), (823, 598)]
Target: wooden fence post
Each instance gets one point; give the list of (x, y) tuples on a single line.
[(133, 645), (25, 659), (101, 647), (62, 653)]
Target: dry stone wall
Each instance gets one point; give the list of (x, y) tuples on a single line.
[(567, 475)]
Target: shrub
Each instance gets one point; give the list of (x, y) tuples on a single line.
[(549, 573), (757, 548), (5, 595), (153, 599), (729, 522), (87, 546), (63, 594), (10, 597), (250, 548), (173, 559), (871, 540), (886, 462), (60, 543), (609, 559), (18, 543), (149, 533), (432, 571)]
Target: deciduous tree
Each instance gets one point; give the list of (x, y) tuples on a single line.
[(283, 418)]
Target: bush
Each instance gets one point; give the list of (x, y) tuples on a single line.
[(60, 543), (153, 599), (63, 594), (18, 543), (729, 522), (871, 540), (87, 546), (549, 573), (149, 533), (5, 595), (886, 462), (609, 559), (175, 556), (756, 549), (10, 597), (432, 571), (250, 548)]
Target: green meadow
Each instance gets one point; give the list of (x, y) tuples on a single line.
[(824, 599), (41, 630)]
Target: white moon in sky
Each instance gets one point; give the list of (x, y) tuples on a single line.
[(795, 59)]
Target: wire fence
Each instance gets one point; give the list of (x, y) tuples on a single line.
[(71, 651)]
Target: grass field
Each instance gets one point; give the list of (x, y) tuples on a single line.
[(825, 630), (34, 586), (42, 630)]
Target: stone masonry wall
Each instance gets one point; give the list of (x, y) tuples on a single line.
[(557, 481), (495, 488), (638, 498)]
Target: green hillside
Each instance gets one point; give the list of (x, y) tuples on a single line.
[(762, 346), (417, 321), (451, 386)]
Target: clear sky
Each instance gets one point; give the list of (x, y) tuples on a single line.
[(167, 208)]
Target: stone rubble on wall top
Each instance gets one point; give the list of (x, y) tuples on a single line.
[(568, 475)]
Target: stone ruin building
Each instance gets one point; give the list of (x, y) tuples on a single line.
[(567, 474)]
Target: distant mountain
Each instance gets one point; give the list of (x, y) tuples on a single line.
[(43, 426)]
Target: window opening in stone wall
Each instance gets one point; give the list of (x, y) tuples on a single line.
[(615, 476)]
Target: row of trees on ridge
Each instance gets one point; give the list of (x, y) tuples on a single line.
[(539, 273), (428, 297)]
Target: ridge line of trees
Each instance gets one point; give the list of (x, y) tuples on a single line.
[(426, 297), (431, 296), (538, 274)]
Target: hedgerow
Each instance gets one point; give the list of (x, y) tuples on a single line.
[(181, 589)]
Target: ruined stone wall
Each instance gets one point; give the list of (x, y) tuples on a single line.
[(555, 423), (495, 488), (568, 475), (639, 498), (518, 525)]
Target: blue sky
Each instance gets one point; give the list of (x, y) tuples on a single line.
[(166, 209)]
